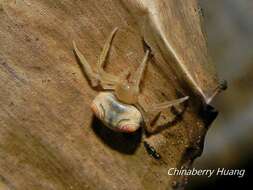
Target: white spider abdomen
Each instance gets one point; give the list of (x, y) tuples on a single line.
[(116, 115)]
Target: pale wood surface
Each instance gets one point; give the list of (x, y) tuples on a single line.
[(49, 138)]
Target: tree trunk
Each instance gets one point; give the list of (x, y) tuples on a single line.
[(49, 138)]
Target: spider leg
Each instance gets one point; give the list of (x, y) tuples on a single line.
[(164, 105), (106, 80), (144, 115), (106, 49), (92, 77), (140, 71), (157, 109)]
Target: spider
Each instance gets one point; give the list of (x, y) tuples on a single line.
[(118, 106)]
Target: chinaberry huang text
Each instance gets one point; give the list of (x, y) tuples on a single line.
[(207, 172)]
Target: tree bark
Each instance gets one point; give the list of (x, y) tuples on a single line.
[(49, 138)]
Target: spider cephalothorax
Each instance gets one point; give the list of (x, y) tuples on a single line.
[(119, 107)]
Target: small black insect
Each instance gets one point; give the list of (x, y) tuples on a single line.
[(151, 151)]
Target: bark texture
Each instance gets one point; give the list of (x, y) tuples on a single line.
[(49, 138)]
